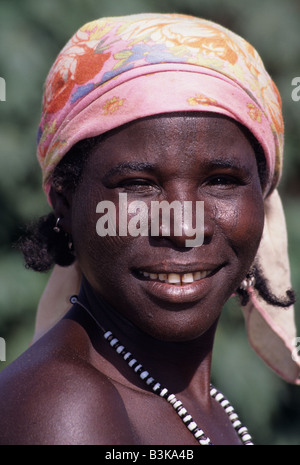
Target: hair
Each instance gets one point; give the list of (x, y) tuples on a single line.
[(42, 247), (262, 286)]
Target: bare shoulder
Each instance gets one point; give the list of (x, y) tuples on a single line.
[(56, 397)]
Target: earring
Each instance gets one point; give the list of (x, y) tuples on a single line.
[(248, 281), (56, 227)]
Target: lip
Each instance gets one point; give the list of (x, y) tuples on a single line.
[(184, 292), (177, 267)]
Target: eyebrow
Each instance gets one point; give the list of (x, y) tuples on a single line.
[(224, 163), (128, 167), (227, 163)]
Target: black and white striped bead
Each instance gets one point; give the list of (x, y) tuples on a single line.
[(156, 387), (186, 418), (241, 430)]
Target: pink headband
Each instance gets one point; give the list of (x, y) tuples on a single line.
[(116, 70)]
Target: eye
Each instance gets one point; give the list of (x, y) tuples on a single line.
[(224, 181), (138, 186)]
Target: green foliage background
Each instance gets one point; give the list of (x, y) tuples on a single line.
[(32, 32)]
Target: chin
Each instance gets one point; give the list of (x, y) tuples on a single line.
[(180, 326)]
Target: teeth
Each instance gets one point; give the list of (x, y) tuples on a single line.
[(187, 278), (176, 278), (162, 276), (197, 276)]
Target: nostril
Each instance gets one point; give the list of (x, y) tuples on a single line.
[(181, 222), (207, 239)]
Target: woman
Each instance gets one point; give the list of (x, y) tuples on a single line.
[(139, 110)]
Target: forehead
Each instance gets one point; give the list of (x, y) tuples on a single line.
[(184, 138)]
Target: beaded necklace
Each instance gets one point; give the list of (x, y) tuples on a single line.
[(163, 392)]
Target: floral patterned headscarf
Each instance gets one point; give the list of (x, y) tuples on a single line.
[(116, 70)]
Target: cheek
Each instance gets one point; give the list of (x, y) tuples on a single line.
[(96, 252), (242, 223)]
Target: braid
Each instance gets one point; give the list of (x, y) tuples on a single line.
[(40, 245), (262, 287)]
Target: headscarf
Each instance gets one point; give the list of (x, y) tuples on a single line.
[(119, 69)]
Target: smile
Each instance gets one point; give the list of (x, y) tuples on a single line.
[(175, 278)]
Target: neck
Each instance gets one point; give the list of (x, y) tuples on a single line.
[(180, 366)]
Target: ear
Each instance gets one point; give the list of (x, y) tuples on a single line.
[(62, 206)]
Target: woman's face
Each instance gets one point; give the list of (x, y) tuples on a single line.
[(170, 291)]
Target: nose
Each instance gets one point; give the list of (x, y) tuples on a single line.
[(184, 223)]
